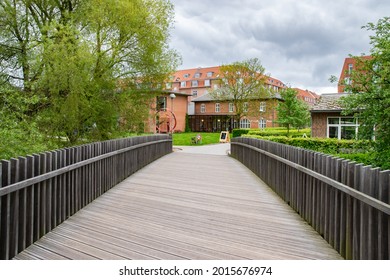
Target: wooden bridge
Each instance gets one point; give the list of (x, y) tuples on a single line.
[(196, 203)]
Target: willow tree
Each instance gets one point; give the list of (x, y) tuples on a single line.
[(76, 55)]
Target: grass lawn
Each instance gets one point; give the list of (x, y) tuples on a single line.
[(184, 139)]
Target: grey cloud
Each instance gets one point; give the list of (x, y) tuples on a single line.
[(299, 42)]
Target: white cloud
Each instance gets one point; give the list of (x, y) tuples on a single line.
[(301, 43)]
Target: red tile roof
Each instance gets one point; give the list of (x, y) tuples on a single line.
[(210, 73)]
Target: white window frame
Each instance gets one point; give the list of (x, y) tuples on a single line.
[(263, 106), (207, 83), (350, 68), (194, 93), (245, 123), (231, 107), (340, 125), (262, 123), (203, 108), (217, 107), (195, 83), (245, 107), (183, 84)]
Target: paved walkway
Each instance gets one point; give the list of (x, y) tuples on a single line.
[(195, 203), (216, 149)]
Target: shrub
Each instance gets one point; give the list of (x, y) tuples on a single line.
[(239, 131), (327, 146), (274, 131), (280, 132)]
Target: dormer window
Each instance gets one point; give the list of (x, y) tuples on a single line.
[(197, 75), (210, 74), (186, 75)]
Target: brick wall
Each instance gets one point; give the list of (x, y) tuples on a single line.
[(320, 123)]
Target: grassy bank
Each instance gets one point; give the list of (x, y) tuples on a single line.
[(184, 139)]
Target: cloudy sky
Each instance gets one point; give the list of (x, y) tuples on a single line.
[(301, 42)]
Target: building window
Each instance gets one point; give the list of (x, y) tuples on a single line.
[(168, 85), (262, 123), (210, 74), (161, 103), (194, 93), (183, 84), (203, 108), (263, 106), (194, 83), (186, 75), (217, 107), (350, 68), (197, 75), (245, 107), (207, 83), (245, 123), (342, 128), (231, 107)]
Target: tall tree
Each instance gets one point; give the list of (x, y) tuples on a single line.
[(370, 88), (76, 55), (292, 112), (242, 82)]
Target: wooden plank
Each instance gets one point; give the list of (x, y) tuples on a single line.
[(14, 209), (356, 215), (383, 220), (37, 200), (343, 227), (6, 212), (22, 219), (30, 203)]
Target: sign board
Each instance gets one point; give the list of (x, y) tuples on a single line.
[(224, 137)]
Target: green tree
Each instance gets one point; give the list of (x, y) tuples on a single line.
[(370, 88), (87, 62), (241, 83), (292, 112)]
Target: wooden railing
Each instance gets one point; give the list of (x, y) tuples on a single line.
[(347, 203), (39, 192)]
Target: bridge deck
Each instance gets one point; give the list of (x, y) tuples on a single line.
[(185, 206)]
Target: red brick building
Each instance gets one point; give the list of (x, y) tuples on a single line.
[(168, 113), (308, 96), (206, 114), (327, 121), (350, 64), (214, 115)]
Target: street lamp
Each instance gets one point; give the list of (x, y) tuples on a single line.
[(172, 96)]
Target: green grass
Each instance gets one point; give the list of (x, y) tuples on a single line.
[(184, 139)]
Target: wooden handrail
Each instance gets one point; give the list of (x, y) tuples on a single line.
[(379, 205), (40, 178)]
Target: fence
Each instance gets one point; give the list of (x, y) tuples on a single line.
[(347, 203), (39, 192)]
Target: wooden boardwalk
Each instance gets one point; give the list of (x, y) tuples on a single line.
[(185, 206)]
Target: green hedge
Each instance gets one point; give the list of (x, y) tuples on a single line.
[(274, 131), (327, 146), (280, 132), (238, 132)]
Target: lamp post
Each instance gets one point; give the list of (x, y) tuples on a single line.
[(172, 96)]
